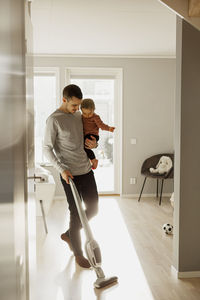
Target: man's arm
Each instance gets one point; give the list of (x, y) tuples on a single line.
[(49, 142)]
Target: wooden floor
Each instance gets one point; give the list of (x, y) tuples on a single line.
[(133, 247)]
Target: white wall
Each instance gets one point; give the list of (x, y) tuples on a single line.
[(148, 108)]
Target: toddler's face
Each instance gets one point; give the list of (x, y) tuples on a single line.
[(87, 113)]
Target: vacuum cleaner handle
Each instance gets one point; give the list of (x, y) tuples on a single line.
[(92, 248), (81, 211)]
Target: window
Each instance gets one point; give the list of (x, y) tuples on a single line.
[(45, 102)]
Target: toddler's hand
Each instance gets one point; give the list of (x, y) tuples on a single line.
[(111, 129)]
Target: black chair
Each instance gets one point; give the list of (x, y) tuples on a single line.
[(151, 162)]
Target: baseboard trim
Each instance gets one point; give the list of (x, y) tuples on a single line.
[(191, 274), (100, 195), (59, 197), (145, 195), (108, 194), (100, 55), (122, 195)]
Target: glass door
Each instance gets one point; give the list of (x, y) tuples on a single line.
[(102, 92), (102, 89)]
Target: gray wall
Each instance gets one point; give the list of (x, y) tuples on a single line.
[(187, 149), (148, 109)]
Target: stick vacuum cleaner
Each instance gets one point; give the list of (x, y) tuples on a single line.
[(91, 247)]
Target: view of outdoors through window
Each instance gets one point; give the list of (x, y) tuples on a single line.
[(102, 92), (44, 105)]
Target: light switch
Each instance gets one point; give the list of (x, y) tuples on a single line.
[(133, 141), (133, 180)]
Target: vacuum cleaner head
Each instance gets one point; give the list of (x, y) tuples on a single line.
[(102, 282)]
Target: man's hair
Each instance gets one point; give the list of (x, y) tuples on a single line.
[(72, 90), (88, 104)]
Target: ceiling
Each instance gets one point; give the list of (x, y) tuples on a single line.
[(106, 27)]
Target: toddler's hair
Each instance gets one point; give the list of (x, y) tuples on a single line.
[(88, 104)]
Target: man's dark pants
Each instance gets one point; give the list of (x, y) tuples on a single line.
[(87, 188)]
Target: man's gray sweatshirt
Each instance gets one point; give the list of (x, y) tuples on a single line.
[(64, 143)]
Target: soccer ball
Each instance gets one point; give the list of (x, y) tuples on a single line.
[(168, 228)]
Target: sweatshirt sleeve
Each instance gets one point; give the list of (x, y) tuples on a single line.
[(100, 123), (51, 132)]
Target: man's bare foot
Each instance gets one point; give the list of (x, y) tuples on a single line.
[(94, 163), (82, 262), (65, 237)]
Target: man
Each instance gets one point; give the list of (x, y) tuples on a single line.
[(64, 148)]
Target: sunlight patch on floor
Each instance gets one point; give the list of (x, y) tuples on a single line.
[(119, 257), (59, 278)]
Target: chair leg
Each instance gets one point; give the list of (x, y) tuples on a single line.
[(161, 191), (157, 189), (142, 189)]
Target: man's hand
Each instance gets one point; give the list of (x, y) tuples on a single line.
[(90, 144), (65, 175)]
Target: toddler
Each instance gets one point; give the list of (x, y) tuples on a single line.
[(91, 124)]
